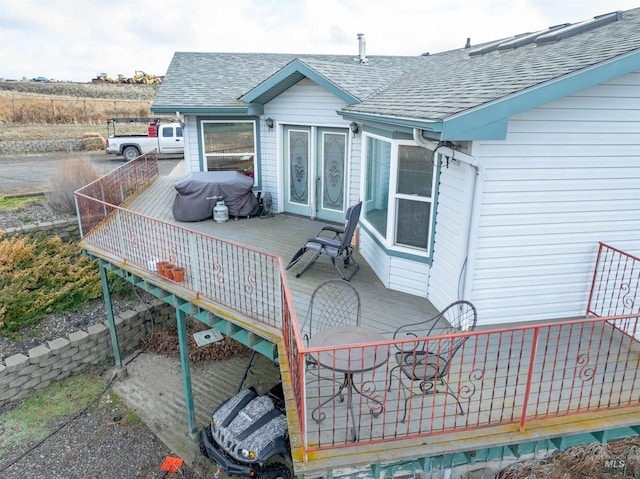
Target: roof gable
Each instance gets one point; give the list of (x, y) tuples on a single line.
[(289, 76), (221, 83)]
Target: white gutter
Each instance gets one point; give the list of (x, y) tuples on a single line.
[(472, 209)]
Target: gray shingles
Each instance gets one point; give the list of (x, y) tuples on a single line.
[(219, 79), (423, 87), (453, 82)]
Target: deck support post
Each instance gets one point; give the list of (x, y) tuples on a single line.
[(183, 340), (109, 310)]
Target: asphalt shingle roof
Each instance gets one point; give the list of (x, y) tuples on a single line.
[(453, 82), (219, 79), (430, 88)]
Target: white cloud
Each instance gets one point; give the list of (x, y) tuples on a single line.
[(76, 39)]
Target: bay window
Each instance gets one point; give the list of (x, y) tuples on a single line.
[(229, 145), (399, 193)]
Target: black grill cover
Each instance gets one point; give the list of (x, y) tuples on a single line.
[(191, 203)]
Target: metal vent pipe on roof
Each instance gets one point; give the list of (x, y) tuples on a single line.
[(362, 58)]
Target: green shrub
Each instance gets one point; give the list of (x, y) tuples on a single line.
[(42, 276)]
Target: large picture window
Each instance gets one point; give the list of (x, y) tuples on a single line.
[(229, 145), (399, 187)]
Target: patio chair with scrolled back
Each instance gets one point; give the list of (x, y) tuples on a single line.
[(333, 303), (425, 364), (335, 247)]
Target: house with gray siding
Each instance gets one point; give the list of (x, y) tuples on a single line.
[(488, 173)]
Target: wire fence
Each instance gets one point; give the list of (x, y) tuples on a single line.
[(69, 111)]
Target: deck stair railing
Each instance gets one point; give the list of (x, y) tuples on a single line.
[(508, 376), (616, 284)]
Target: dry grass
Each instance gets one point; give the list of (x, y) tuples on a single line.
[(617, 459), (74, 173), (43, 111), (67, 111)]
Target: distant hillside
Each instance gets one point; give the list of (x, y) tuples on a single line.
[(79, 90), (63, 110)]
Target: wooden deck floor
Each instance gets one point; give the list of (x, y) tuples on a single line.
[(384, 310)]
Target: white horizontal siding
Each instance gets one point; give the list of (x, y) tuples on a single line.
[(268, 162), (408, 276), (355, 168), (306, 103), (567, 177), (601, 126), (375, 256), (191, 154), (452, 219)]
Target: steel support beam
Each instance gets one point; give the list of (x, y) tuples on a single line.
[(183, 340), (110, 318)]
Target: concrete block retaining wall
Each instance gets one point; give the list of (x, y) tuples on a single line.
[(67, 229), (58, 359), (25, 147)]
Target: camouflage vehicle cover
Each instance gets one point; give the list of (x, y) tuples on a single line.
[(248, 435)]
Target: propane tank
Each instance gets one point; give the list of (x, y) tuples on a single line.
[(220, 212)]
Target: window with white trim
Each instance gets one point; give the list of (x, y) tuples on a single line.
[(229, 145), (399, 193)]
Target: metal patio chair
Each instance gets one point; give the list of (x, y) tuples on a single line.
[(424, 365), (337, 245), (333, 303)]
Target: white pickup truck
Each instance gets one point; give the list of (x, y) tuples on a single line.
[(166, 138)]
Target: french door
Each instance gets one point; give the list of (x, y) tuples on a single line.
[(315, 172)]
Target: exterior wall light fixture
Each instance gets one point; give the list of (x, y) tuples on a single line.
[(269, 122), (355, 128)]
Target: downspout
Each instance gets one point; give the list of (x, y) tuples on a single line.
[(179, 119), (467, 267)]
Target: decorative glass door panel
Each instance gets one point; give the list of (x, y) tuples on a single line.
[(334, 147), (297, 170), (299, 167), (315, 172)]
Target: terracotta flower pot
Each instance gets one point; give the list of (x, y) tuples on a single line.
[(160, 265), (178, 273), (167, 270)]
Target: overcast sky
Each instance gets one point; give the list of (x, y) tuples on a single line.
[(76, 39)]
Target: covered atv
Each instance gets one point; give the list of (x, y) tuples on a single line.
[(248, 435)]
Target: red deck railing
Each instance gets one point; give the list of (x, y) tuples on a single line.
[(616, 283), (240, 279), (501, 376), (114, 189)]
